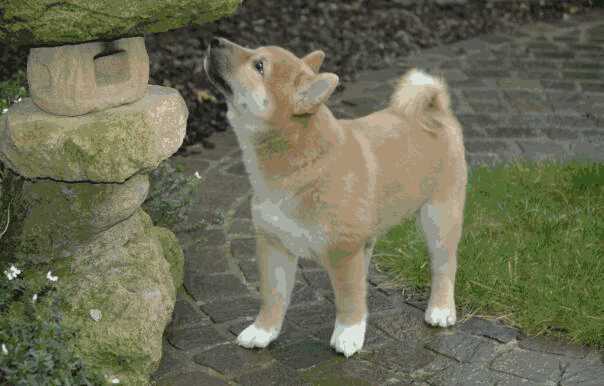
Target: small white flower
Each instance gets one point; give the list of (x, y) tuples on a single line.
[(115, 381), (96, 315), (34, 298), (16, 271), (4, 350), (4, 111), (197, 175), (50, 277), (12, 272)]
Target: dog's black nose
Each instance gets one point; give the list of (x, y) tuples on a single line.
[(215, 43)]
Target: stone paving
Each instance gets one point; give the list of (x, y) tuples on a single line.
[(536, 94)]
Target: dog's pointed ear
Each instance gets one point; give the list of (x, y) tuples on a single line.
[(314, 60), (314, 92)]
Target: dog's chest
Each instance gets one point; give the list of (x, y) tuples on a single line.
[(274, 211), (276, 217)]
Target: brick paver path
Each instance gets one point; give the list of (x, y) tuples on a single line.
[(536, 94)]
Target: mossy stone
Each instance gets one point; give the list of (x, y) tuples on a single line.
[(173, 254), (52, 219), (132, 287), (51, 22), (106, 146)]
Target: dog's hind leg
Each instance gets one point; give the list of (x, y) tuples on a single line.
[(441, 219), (277, 268)]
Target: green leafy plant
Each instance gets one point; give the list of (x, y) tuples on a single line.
[(35, 349), (170, 195), (12, 90)]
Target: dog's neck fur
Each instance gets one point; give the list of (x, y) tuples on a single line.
[(277, 154)]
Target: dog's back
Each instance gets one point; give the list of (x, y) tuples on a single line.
[(419, 145)]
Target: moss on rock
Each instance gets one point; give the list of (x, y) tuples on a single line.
[(52, 219), (172, 253), (106, 146), (13, 212), (132, 287), (51, 22)]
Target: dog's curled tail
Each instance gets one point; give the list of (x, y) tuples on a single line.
[(421, 97)]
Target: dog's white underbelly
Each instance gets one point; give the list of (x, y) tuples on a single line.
[(301, 240)]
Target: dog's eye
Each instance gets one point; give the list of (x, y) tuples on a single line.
[(259, 66)]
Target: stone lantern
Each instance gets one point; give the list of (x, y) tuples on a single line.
[(79, 152)]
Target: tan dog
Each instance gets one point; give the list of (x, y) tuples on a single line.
[(326, 188)]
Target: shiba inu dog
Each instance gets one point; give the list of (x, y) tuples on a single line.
[(325, 188)]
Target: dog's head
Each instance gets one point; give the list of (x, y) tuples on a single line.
[(268, 83)]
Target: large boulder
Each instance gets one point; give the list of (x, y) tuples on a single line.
[(120, 301), (51, 22)]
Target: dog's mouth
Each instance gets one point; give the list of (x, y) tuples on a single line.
[(211, 66)]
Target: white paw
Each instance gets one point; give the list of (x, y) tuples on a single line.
[(254, 336), (348, 339), (441, 317)]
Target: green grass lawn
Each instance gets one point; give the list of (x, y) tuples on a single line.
[(532, 250)]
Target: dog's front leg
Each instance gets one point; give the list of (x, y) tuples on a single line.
[(277, 269), (348, 274)]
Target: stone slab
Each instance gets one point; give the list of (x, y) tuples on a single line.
[(530, 365), (186, 314), (106, 146), (58, 219), (193, 378), (489, 328), (304, 354), (172, 361), (231, 360), (274, 375), (195, 337), (49, 22), (207, 288), (222, 311)]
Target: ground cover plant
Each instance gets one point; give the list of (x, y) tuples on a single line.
[(532, 249), (12, 89), (35, 349)]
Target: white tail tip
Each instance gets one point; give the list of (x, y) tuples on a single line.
[(419, 78)]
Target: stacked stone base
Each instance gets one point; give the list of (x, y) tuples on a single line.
[(74, 191), (118, 274)]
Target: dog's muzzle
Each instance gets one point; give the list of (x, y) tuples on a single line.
[(214, 64)]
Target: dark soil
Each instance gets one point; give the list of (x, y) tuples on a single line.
[(355, 35)]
